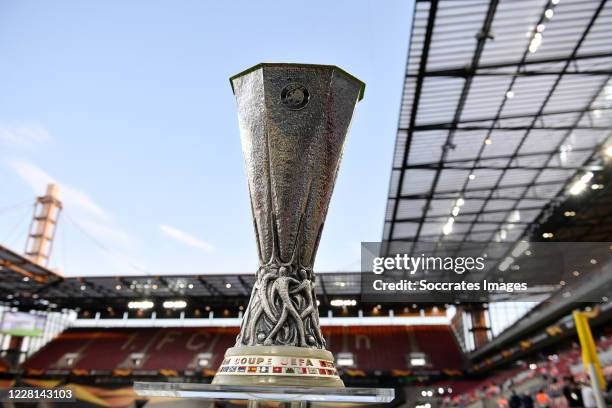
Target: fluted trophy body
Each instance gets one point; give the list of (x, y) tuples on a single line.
[(293, 120)]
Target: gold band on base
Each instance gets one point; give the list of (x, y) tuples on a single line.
[(278, 365)]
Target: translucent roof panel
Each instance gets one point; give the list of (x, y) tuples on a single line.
[(505, 103)]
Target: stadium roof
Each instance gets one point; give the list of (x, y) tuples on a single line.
[(17, 270), (505, 104), (28, 285), (223, 287)]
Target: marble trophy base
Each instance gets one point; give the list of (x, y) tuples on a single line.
[(278, 366)]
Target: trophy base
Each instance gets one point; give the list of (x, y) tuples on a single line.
[(278, 366)]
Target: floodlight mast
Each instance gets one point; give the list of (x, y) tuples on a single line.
[(41, 234)]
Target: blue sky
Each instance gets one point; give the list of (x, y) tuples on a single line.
[(127, 105)]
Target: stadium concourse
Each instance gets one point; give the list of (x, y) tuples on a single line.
[(504, 136)]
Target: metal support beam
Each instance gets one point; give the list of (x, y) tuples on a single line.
[(454, 193), (463, 214), (463, 71), (482, 167), (324, 291), (210, 287), (245, 285), (449, 126), (492, 158), (501, 118), (433, 9)]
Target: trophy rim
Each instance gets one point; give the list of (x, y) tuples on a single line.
[(362, 84)]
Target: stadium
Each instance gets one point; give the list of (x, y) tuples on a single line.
[(504, 137)]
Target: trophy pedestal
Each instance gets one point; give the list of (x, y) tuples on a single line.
[(278, 366), (294, 396)]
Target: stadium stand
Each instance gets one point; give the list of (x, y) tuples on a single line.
[(543, 372), (183, 349)]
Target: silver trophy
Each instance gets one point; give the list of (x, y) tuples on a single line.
[(293, 123)]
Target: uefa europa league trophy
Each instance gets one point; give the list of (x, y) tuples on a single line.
[(293, 122)]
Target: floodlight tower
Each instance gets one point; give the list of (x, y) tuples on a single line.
[(47, 210)]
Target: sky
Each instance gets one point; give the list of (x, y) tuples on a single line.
[(126, 105)]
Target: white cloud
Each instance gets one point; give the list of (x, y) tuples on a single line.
[(103, 231), (38, 180), (23, 135), (80, 207), (90, 222), (185, 238)]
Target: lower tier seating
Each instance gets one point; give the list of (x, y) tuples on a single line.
[(370, 348)]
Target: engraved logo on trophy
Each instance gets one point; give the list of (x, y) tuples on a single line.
[(295, 96)]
